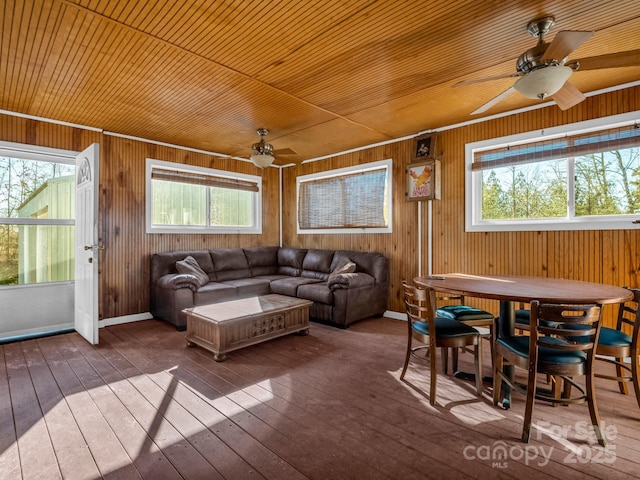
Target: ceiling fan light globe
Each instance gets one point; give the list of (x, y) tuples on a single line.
[(262, 160), (543, 82)]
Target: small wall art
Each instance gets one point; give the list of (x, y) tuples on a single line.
[(423, 180), (425, 147)]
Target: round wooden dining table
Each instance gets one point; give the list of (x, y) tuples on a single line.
[(519, 288)]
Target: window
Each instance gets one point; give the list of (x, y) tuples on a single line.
[(187, 199), (577, 177), (348, 200), (37, 216)]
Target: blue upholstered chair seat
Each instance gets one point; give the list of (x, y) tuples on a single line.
[(463, 313), (613, 338), (519, 344), (610, 337), (523, 316), (445, 327)]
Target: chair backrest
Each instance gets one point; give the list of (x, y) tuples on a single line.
[(449, 298), (567, 327), (419, 304), (629, 315)]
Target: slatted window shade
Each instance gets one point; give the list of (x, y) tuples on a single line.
[(189, 199), (565, 147), (194, 178), (352, 200)]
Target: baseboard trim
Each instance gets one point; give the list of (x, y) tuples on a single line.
[(124, 319), (395, 315)]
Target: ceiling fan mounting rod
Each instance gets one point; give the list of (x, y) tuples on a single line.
[(540, 26)]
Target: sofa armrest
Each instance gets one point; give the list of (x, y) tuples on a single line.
[(350, 280), (174, 281)]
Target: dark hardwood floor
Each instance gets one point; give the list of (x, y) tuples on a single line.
[(324, 406)]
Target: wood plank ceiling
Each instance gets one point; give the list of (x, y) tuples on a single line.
[(322, 76)]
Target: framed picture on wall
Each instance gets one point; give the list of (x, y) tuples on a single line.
[(425, 147), (423, 181)]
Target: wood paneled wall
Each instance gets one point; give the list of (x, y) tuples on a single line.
[(124, 262), (608, 256), (604, 256)]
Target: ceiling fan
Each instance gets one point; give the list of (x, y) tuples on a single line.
[(263, 153), (544, 71)]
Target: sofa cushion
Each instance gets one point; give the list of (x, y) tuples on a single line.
[(230, 264), (190, 266), (317, 264), (262, 260), (317, 292), (249, 287), (214, 292), (290, 261), (289, 286)]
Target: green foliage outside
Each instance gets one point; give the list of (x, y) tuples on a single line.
[(177, 203), (606, 183)]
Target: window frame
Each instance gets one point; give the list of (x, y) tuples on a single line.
[(256, 203), (473, 182), (388, 164)]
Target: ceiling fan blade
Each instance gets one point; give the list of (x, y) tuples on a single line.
[(630, 58), (284, 151), (494, 101), (568, 96), (564, 43), (485, 79)]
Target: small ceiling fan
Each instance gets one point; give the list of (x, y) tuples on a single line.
[(544, 71), (263, 153)]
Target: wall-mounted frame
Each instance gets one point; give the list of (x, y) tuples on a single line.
[(423, 181), (424, 147)]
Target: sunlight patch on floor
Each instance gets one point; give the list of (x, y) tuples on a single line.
[(454, 395)]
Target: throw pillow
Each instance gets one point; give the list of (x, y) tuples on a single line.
[(347, 267), (190, 266)]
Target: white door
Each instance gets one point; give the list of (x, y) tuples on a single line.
[(86, 280)]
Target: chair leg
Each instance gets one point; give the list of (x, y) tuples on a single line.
[(434, 373), (593, 408), (497, 380), (406, 358), (556, 384), (454, 360), (635, 370), (492, 337), (531, 398), (622, 385), (477, 353), (444, 353)]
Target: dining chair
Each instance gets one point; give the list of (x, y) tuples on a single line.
[(563, 350), (472, 316), (615, 345), (522, 318), (436, 332)]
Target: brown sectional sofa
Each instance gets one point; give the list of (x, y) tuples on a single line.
[(339, 298)]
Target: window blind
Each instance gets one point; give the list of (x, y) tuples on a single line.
[(354, 200), (570, 146), (203, 179)]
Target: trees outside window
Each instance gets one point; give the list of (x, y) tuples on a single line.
[(574, 180)]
